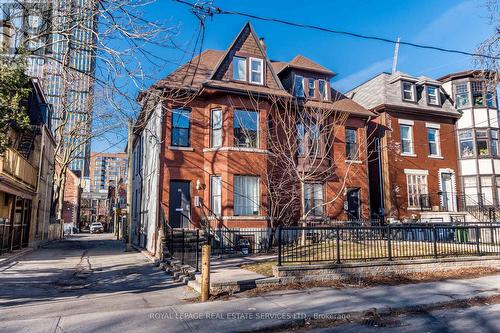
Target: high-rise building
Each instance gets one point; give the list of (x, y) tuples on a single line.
[(107, 169), (59, 38)]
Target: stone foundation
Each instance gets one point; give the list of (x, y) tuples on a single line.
[(332, 272)]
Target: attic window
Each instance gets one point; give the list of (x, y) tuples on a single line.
[(240, 69), (256, 71), (408, 91), (322, 89), (432, 95)]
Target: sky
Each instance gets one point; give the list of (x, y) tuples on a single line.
[(451, 24)]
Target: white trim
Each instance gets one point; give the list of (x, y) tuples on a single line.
[(416, 172), (438, 157), (353, 161), (251, 59), (433, 125), (238, 149), (409, 155), (181, 148), (406, 122), (244, 217)]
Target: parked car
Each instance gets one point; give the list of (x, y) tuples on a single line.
[(96, 227)]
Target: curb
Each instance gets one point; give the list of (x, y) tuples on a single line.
[(14, 256)]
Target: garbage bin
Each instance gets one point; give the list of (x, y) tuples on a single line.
[(244, 246)]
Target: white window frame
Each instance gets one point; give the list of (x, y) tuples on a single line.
[(251, 60), (437, 142), (414, 188), (437, 102), (317, 204), (214, 131), (246, 70), (256, 204), (410, 133), (216, 210), (412, 90)]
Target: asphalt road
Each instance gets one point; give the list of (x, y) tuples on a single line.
[(81, 276)]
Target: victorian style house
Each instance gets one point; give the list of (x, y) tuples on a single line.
[(202, 149)]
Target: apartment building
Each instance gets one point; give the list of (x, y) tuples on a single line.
[(414, 172), (202, 144), (107, 169)]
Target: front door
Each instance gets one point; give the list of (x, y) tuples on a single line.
[(180, 204), (353, 204), (448, 198)]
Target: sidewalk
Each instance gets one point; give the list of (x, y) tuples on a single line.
[(10, 257), (270, 310)]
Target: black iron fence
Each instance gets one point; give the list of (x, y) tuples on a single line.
[(357, 243), (185, 245)]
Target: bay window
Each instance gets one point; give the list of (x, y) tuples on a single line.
[(470, 190), (216, 128), (256, 71), (239, 69), (311, 87), (180, 127), (461, 95), (246, 195), (406, 139), (487, 190), (301, 133), (482, 143), (298, 86), (245, 128), (494, 142), (313, 199), (490, 99), (477, 93), (466, 143)]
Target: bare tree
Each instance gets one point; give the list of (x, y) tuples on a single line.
[(489, 49)]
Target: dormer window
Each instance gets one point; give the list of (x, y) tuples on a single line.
[(298, 86), (239, 69), (432, 95), (311, 87), (408, 91), (256, 71), (322, 89)]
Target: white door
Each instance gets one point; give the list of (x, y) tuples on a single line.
[(448, 196)]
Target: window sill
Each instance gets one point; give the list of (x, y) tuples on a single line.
[(436, 157), (244, 217), (181, 148), (238, 149), (354, 161), (408, 155)]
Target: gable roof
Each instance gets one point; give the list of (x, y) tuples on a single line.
[(301, 62)]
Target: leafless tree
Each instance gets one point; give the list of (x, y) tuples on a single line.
[(490, 47)]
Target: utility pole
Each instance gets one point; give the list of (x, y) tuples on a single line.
[(129, 186), (205, 272)]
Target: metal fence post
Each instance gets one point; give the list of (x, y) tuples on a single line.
[(197, 249), (477, 240), (389, 245), (434, 241), (279, 246), (183, 249), (337, 243)]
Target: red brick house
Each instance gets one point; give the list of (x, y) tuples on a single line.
[(413, 172), (214, 150)]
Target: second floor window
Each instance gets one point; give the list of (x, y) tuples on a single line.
[(433, 139), (298, 86), (432, 95), (313, 199), (408, 94), (477, 93), (239, 69), (322, 89), (180, 127), (466, 143), (461, 95), (482, 143), (216, 128), (490, 101), (256, 71), (406, 139), (245, 128), (301, 133), (311, 87), (494, 142), (351, 144)]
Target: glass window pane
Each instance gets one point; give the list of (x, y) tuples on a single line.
[(216, 140), (216, 188), (239, 69), (299, 86), (432, 95), (245, 128), (246, 195), (256, 71)]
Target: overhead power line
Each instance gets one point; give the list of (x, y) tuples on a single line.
[(213, 10)]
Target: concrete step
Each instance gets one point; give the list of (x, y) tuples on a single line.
[(195, 284)]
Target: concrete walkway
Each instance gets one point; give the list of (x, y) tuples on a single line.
[(263, 312)]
